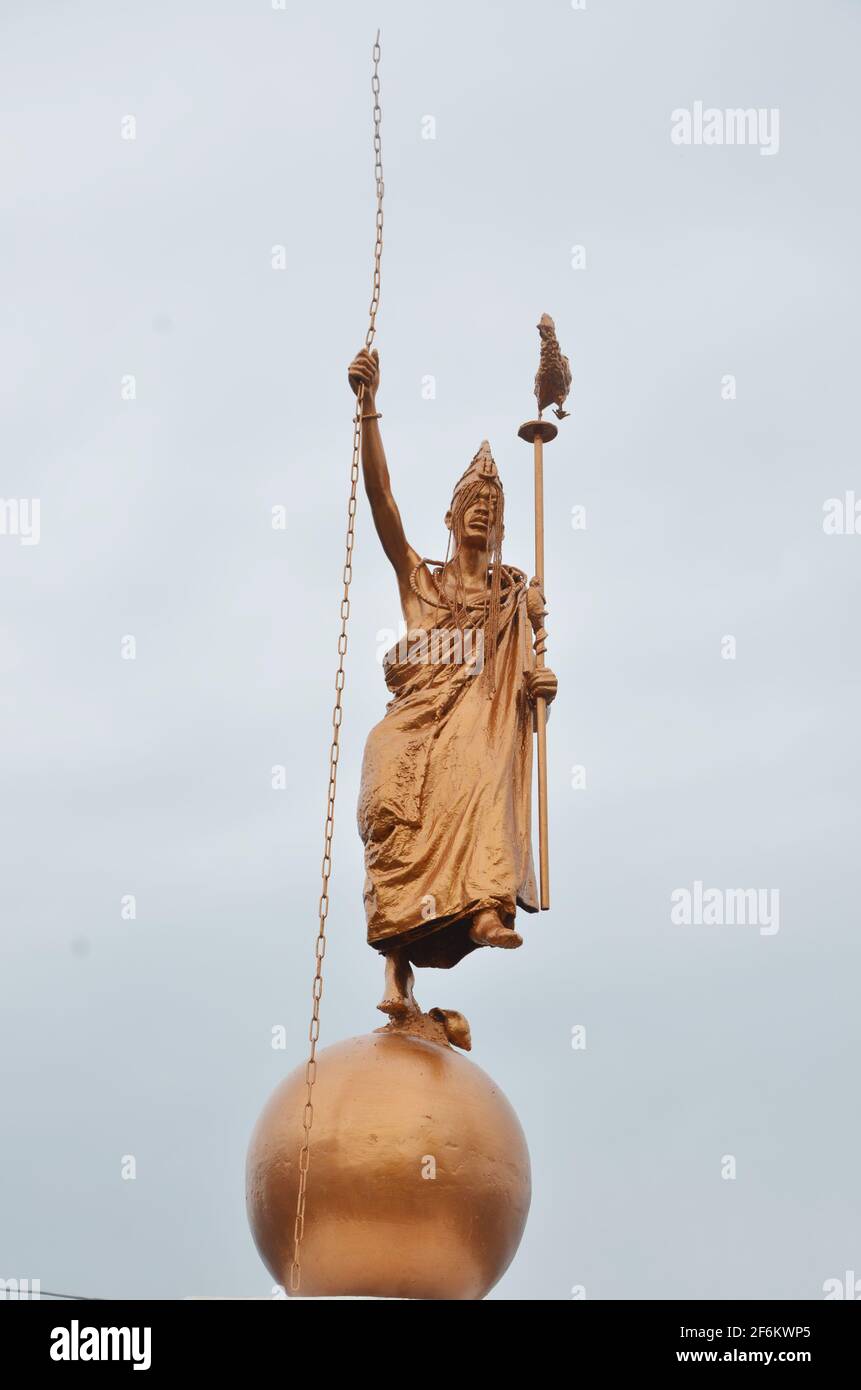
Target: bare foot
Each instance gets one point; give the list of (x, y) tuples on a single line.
[(488, 929), (397, 1007), (398, 999)]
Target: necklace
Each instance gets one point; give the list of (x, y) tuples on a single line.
[(510, 578)]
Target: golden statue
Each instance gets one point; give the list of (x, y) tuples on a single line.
[(445, 797), (419, 1169), (421, 1174)]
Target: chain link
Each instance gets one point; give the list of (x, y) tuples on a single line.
[(337, 711)]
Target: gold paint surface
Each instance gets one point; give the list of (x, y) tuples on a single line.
[(445, 793), (388, 1108)]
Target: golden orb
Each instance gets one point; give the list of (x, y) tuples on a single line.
[(419, 1180)]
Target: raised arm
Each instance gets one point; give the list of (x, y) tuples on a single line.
[(365, 368)]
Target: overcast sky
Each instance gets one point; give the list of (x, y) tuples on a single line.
[(152, 258)]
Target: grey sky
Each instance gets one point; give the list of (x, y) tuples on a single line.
[(704, 519)]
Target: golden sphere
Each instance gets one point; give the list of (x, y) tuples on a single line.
[(419, 1181)]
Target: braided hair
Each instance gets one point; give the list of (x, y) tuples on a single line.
[(466, 491)]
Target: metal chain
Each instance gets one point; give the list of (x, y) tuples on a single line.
[(337, 712)]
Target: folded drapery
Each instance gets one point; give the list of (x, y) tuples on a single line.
[(445, 796)]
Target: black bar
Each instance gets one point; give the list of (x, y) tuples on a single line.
[(245, 1336)]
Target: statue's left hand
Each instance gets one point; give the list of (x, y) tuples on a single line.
[(536, 604), (541, 684)]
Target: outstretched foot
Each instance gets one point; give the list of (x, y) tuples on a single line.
[(488, 929), (456, 1027)]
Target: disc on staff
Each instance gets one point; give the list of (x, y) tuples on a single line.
[(545, 430)]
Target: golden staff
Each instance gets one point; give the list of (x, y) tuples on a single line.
[(552, 384)]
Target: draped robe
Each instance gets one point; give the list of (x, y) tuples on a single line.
[(445, 795)]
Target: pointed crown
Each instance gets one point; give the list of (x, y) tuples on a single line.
[(481, 469)]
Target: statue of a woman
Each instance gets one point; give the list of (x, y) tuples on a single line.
[(445, 797)]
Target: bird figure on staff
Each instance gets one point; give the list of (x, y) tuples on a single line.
[(553, 378), (445, 794)]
